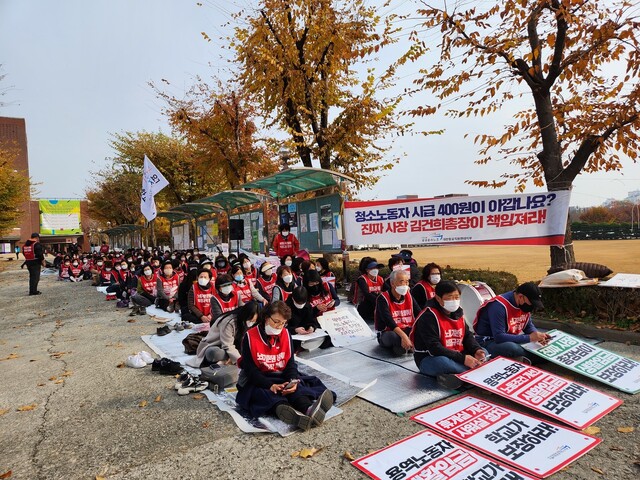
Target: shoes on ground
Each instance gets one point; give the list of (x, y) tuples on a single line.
[(110, 296), (178, 327), (449, 381), (320, 407), (180, 379), (164, 330), (165, 366), (142, 311), (192, 384), (134, 311), (146, 356), (36, 293), (135, 361), (290, 415)]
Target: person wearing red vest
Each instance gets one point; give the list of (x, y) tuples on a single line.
[(504, 322), (63, 273), (395, 314), (425, 289), (322, 296), (146, 291), (167, 288), (104, 249), (367, 288), (224, 297), (269, 381), (244, 286), (199, 301), (222, 265), (443, 343), (34, 258), (266, 281), (248, 270), (285, 242), (76, 273), (284, 284)]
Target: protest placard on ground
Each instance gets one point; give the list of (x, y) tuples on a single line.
[(428, 455), (567, 401), (344, 326), (597, 363), (529, 444)]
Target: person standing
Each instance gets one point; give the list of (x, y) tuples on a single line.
[(34, 258), (285, 242), (17, 251)]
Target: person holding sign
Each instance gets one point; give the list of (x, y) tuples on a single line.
[(504, 322), (443, 343), (395, 314)]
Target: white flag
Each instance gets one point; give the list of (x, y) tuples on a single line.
[(152, 182)]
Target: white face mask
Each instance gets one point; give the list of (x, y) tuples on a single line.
[(168, 272), (75, 264), (246, 265), (272, 331), (226, 290), (318, 268), (285, 234), (203, 282), (402, 289), (434, 279), (249, 323), (288, 263), (299, 306), (147, 273), (100, 264), (373, 272), (451, 305), (117, 267), (268, 273), (287, 278)]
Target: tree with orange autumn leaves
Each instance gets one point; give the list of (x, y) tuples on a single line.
[(576, 61)]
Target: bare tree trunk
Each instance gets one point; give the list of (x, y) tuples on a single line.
[(564, 254)]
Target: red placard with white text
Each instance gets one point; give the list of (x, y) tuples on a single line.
[(534, 446), (565, 400), (428, 455)]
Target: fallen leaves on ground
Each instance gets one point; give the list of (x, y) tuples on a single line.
[(120, 365), (625, 429), (67, 373), (143, 404), (306, 452), (591, 430), (158, 399), (6, 474), (131, 320), (206, 425), (3, 411), (57, 354), (198, 396), (53, 378), (58, 382), (348, 455), (12, 356), (616, 448), (100, 477), (27, 408), (597, 470)]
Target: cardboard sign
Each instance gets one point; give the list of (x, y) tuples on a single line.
[(527, 443), (566, 401), (428, 455), (344, 327), (594, 362)]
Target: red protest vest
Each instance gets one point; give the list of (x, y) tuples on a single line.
[(202, 298), (283, 293), (29, 251), (516, 318), (272, 356), (64, 271), (76, 271), (402, 313), (375, 286), (170, 285), (228, 305), (451, 331), (105, 276), (253, 273), (324, 298), (429, 290), (150, 286), (267, 286), (243, 290), (284, 246)]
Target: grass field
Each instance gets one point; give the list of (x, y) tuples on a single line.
[(527, 263)]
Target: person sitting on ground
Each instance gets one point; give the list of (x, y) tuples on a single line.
[(296, 269), (155, 265), (395, 314), (146, 291), (207, 264), (224, 298), (322, 267), (76, 274), (414, 272), (284, 284), (104, 279), (63, 271), (504, 323), (244, 286), (222, 265), (248, 270), (367, 288), (303, 321), (199, 297), (266, 281), (322, 295), (287, 261), (184, 288), (285, 242), (269, 381), (87, 266), (443, 343), (167, 288), (224, 340), (395, 263), (119, 280), (425, 289)]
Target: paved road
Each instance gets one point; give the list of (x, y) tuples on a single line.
[(86, 420)]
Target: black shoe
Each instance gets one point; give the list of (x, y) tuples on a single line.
[(134, 311), (320, 407), (290, 415), (449, 381), (161, 331), (36, 293), (165, 366), (142, 311)]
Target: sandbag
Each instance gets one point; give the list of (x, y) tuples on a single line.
[(565, 277), (591, 270)]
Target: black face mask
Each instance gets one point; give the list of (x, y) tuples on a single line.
[(315, 290), (525, 307)]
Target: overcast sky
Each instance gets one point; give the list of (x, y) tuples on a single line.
[(77, 71)]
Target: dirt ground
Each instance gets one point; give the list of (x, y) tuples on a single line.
[(58, 357), (526, 263)]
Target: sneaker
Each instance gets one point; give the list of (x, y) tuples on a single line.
[(182, 378), (290, 415), (146, 356), (187, 325), (110, 296), (171, 308), (142, 311), (193, 384), (164, 330), (178, 327), (134, 361), (320, 407), (523, 360), (134, 312), (449, 381), (164, 366)]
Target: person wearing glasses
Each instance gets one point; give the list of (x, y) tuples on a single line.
[(269, 381)]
